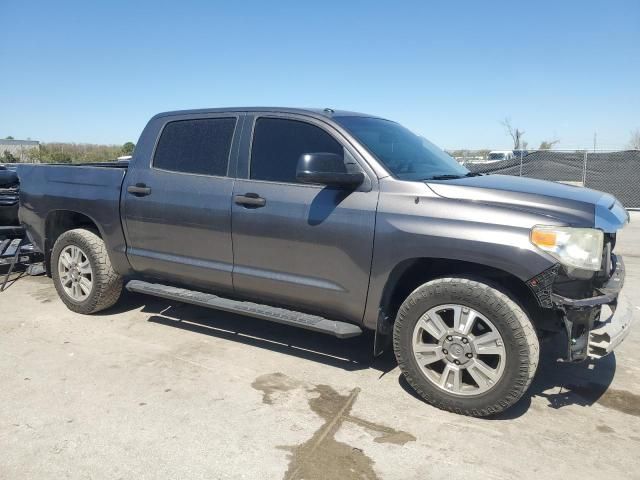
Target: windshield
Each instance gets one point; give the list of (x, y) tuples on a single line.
[(497, 156), (406, 155)]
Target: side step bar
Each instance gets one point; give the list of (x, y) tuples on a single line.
[(264, 312)]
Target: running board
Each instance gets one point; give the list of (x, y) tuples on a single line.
[(256, 310)]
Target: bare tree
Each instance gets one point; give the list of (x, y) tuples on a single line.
[(515, 133), (548, 144), (634, 143)]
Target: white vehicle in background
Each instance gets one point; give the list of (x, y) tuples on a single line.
[(499, 155)]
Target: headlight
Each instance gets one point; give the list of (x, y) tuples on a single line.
[(573, 247)]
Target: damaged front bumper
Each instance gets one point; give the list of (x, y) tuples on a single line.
[(595, 326), (606, 335)]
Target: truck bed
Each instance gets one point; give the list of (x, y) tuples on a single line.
[(123, 164), (93, 189)]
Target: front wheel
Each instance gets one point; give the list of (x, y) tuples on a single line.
[(465, 346), (82, 272)]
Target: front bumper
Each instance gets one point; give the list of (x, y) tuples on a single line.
[(606, 335), (596, 325)]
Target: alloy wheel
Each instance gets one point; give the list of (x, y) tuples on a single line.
[(76, 275), (459, 350)]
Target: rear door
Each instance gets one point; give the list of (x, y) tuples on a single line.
[(304, 246), (177, 203)]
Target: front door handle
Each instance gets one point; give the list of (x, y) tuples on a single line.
[(139, 190), (250, 200)]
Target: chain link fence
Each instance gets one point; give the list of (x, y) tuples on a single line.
[(615, 172)]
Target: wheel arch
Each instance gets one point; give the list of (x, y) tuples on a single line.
[(59, 221), (409, 274)]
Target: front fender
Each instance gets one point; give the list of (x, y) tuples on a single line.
[(422, 227)]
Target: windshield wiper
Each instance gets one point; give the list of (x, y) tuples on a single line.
[(451, 176), (444, 177)]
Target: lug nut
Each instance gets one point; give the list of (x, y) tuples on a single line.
[(464, 340), (444, 351), (457, 362), (449, 337), (469, 355)]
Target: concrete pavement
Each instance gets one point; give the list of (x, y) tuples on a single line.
[(152, 389)]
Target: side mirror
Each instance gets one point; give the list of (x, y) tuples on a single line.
[(326, 169)]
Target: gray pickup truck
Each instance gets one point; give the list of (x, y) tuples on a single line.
[(340, 222)]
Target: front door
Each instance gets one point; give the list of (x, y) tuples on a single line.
[(177, 209), (303, 246)]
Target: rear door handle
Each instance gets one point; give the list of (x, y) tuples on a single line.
[(139, 190), (250, 200)]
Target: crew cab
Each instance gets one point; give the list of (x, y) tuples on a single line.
[(341, 222)]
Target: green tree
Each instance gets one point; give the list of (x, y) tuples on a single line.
[(128, 148), (60, 157), (9, 137), (8, 157)]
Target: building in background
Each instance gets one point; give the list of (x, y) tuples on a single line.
[(20, 150)]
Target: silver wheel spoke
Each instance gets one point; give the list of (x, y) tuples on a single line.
[(483, 375), (65, 261), (488, 344), (433, 324), (451, 378), (428, 353), (463, 319), (85, 285), (85, 268)]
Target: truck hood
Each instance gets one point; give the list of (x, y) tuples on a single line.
[(571, 205)]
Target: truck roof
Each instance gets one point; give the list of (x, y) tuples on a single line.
[(315, 112)]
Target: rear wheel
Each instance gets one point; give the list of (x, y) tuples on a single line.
[(465, 346), (82, 272)]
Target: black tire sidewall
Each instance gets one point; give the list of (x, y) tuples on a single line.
[(76, 239), (492, 307)]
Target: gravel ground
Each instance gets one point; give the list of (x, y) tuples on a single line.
[(151, 389)]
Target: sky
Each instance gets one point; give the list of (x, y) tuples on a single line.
[(95, 72)]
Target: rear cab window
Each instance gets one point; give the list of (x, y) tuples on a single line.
[(199, 146)]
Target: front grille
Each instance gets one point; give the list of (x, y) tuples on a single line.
[(608, 259)]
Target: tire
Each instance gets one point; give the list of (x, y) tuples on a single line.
[(106, 284), (514, 355)]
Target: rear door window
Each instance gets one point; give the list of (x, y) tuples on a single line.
[(199, 146)]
